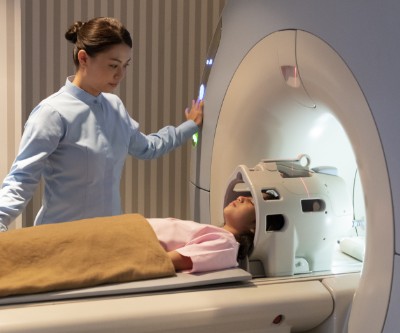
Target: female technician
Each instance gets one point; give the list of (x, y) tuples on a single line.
[(78, 138)]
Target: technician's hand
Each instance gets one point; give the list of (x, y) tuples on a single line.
[(196, 112)]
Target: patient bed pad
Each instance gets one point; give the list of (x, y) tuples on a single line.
[(178, 282)]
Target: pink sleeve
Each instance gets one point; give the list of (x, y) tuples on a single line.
[(212, 251)]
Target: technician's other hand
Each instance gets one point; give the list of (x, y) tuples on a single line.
[(196, 112)]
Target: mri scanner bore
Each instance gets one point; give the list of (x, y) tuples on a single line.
[(281, 101)]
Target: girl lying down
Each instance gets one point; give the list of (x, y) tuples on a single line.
[(122, 248), (198, 247)]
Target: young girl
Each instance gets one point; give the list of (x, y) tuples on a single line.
[(78, 138), (199, 247)]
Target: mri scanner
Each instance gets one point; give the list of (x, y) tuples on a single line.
[(283, 78), (311, 77)]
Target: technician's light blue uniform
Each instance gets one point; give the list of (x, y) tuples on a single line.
[(79, 144)]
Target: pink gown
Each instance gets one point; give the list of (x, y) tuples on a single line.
[(209, 247)]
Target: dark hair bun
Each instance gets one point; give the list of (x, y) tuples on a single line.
[(72, 33)]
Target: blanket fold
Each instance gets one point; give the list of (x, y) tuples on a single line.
[(80, 254)]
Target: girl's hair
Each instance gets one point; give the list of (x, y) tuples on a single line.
[(97, 35), (246, 244)]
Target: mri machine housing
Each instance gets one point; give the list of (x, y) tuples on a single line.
[(319, 78), (346, 54)]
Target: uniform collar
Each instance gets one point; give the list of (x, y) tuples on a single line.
[(80, 93)]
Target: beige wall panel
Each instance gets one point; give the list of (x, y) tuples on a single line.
[(170, 38), (10, 86)]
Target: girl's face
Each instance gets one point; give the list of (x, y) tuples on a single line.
[(104, 71), (240, 214)]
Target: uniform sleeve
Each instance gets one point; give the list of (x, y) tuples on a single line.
[(211, 252), (157, 144), (41, 136)]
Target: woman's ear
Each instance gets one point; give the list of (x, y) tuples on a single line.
[(83, 58)]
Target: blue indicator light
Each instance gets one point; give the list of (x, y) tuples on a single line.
[(201, 92)]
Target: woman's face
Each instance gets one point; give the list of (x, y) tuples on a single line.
[(104, 71), (240, 214)]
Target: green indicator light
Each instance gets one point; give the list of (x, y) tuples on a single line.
[(195, 139)]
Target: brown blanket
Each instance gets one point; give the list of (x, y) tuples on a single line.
[(80, 254)]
